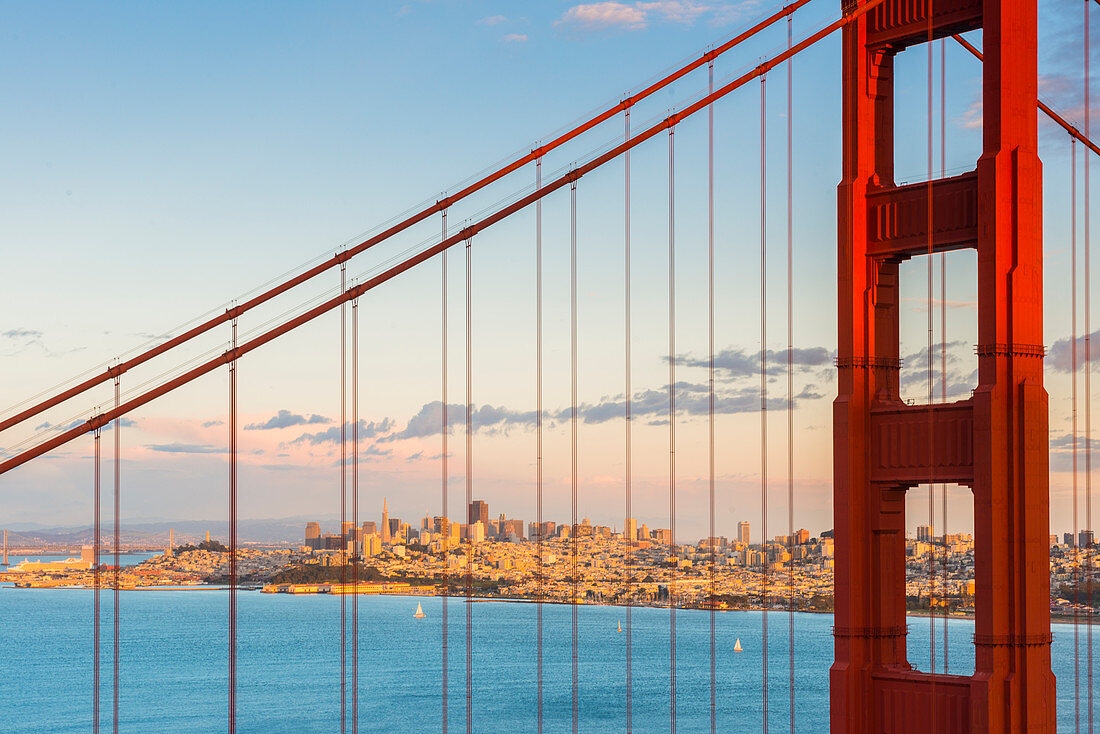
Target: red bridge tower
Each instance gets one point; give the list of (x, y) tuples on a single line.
[(994, 442)]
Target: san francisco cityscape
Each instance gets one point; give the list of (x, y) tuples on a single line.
[(506, 558)]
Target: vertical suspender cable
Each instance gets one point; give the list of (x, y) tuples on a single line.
[(764, 388), (97, 537), (573, 442), (1073, 411), (1088, 373), (943, 333), (713, 539), (538, 433), (469, 494), (672, 419), (931, 391), (355, 529), (445, 526), (343, 499), (790, 376), (627, 447), (118, 529), (233, 534)]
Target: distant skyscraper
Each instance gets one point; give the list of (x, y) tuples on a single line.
[(171, 540), (385, 521), (369, 528), (313, 535), (924, 533), (1067, 539), (479, 512), (801, 536), (347, 530), (630, 530), (1084, 538), (743, 533)]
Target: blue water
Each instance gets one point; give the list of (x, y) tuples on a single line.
[(173, 669)]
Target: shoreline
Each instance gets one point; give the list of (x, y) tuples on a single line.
[(1054, 618)]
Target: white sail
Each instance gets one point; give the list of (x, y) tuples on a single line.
[(737, 645), (419, 612)]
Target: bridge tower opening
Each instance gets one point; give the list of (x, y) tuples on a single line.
[(994, 442)]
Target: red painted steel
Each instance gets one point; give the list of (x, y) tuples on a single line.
[(440, 206), (999, 437)]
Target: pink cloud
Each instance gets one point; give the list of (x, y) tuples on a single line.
[(604, 16)]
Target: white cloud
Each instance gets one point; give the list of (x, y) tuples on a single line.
[(972, 118), (612, 15), (676, 11), (515, 38), (493, 20), (603, 16)]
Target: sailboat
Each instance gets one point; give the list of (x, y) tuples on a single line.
[(620, 626), (419, 612), (737, 645)]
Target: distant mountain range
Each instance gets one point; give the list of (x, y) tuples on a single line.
[(286, 530)]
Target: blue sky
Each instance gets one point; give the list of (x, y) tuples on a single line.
[(163, 159)]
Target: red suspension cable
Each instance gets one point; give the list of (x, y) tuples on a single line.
[(98, 540), (118, 530), (1088, 371), (470, 545), (573, 443), (470, 230), (343, 499), (1073, 412), (538, 436), (764, 388), (628, 399), (790, 377), (943, 335), (931, 383), (713, 540), (355, 529), (233, 537), (419, 216), (445, 429), (672, 419)]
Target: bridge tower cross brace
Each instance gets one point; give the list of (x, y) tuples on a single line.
[(995, 442)]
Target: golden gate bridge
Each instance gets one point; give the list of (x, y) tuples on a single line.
[(995, 442)]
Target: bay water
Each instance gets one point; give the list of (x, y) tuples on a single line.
[(173, 664)]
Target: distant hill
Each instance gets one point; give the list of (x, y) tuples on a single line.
[(286, 530)]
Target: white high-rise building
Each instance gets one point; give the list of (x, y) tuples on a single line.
[(385, 521), (743, 534)]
